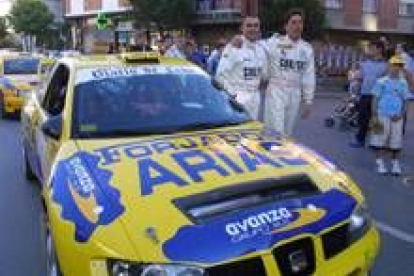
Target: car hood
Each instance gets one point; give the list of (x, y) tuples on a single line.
[(176, 195), (20, 82)]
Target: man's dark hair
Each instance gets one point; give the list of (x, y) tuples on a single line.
[(248, 16), (167, 36), (379, 45), (293, 12)]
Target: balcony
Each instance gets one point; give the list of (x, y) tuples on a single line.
[(222, 16)]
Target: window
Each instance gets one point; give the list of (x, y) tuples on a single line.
[(333, 4), (156, 103), (406, 9), (54, 100), (23, 66), (204, 5), (369, 6)]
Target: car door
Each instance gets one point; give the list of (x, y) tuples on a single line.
[(50, 108)]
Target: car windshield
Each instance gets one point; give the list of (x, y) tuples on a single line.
[(22, 66), (45, 68), (143, 100)]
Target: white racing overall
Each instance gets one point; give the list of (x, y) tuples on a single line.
[(241, 71), (291, 81)]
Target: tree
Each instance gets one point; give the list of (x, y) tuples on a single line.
[(164, 14), (272, 13), (3, 28), (56, 36), (30, 17)]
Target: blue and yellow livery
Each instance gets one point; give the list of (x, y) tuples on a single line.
[(18, 76), (147, 169)]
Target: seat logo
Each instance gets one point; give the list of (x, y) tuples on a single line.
[(298, 261)]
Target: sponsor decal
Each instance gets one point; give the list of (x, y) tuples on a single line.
[(223, 154), (274, 218), (260, 228), (293, 65), (84, 202), (251, 73), (91, 74)]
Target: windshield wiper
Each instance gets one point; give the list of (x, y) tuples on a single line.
[(209, 125), (119, 133)]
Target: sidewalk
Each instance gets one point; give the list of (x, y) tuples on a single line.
[(330, 87), (323, 93)]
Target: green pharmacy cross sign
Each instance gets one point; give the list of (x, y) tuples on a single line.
[(102, 22)]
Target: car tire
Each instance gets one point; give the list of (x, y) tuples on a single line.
[(52, 263), (28, 172), (344, 125), (3, 113), (329, 122)]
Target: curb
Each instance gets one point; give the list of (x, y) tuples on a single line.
[(330, 95)]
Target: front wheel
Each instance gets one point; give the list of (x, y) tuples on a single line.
[(28, 172), (329, 122), (3, 113), (344, 125), (52, 263)]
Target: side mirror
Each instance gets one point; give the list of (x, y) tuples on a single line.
[(53, 127), (216, 84)]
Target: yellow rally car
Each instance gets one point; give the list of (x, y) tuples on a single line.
[(45, 66), (147, 169), (18, 76)]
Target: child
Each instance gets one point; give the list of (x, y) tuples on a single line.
[(390, 98), (354, 79)]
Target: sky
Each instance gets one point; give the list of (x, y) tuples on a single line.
[(4, 7)]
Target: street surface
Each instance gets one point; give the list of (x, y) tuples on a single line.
[(391, 199)]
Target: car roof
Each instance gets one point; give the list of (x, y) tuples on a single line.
[(127, 59), (14, 57)]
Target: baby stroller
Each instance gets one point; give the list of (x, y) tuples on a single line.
[(345, 115)]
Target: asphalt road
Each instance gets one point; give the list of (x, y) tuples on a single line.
[(20, 210), (389, 198)]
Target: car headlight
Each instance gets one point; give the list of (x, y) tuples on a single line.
[(121, 268), (360, 222)]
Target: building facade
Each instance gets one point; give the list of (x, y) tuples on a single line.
[(213, 17), (221, 18), (82, 14), (55, 7), (368, 19), (348, 20)]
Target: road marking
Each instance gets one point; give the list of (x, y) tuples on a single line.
[(408, 181), (396, 233)]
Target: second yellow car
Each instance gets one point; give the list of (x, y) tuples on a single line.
[(18, 76)]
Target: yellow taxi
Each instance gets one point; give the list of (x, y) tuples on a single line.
[(18, 76), (147, 169), (45, 66)]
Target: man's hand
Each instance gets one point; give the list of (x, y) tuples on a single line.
[(406, 73), (263, 85), (237, 41), (306, 111), (396, 118)]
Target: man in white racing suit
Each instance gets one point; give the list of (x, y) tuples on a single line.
[(176, 50), (242, 70), (291, 76)]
